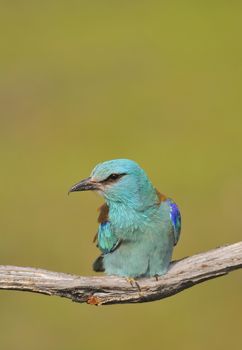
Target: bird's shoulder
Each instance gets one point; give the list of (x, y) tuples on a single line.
[(174, 213), (161, 197), (107, 241), (102, 217), (103, 213)]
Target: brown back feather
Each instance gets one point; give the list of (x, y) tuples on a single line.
[(103, 216), (161, 197)]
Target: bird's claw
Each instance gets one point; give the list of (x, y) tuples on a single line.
[(133, 283), (156, 277)]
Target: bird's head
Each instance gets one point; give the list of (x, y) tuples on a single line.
[(120, 180)]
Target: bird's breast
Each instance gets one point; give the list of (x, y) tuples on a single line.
[(126, 221)]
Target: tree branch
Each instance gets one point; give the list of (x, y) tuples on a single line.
[(182, 274)]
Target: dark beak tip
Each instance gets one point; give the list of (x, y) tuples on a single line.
[(74, 188), (70, 190), (83, 185)]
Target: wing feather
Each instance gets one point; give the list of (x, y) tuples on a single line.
[(175, 216), (107, 242)]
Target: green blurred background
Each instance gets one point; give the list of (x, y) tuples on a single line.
[(86, 81)]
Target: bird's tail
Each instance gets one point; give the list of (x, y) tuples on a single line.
[(98, 264)]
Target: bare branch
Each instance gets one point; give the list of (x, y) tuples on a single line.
[(182, 274)]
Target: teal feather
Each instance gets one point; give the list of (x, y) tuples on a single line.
[(107, 241)]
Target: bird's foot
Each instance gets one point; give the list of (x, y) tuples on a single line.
[(156, 277), (133, 283)]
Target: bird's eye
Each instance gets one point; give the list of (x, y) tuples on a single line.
[(114, 176)]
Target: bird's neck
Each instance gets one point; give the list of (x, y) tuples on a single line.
[(134, 202), (128, 218)]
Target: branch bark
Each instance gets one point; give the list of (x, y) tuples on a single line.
[(100, 290)]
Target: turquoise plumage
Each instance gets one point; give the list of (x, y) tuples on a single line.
[(138, 226)]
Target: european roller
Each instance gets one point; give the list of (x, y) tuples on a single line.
[(138, 226)]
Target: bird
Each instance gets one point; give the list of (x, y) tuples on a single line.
[(138, 226)]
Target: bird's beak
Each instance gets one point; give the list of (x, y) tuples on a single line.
[(85, 185)]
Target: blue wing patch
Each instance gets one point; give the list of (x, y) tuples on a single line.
[(175, 219), (107, 241)]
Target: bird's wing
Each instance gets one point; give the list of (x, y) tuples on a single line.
[(175, 216), (107, 242)]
